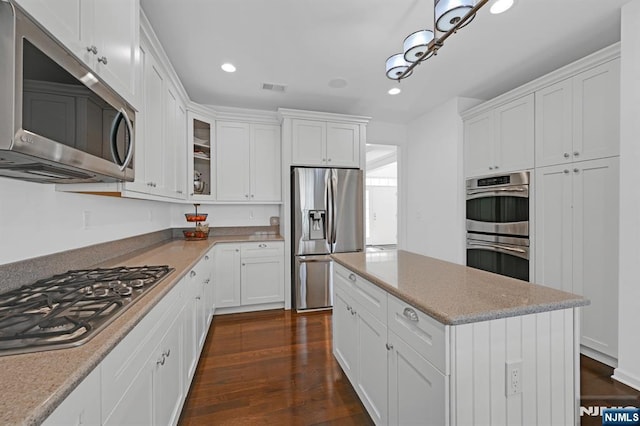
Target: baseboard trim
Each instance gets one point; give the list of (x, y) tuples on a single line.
[(626, 378), (599, 356), (249, 308)]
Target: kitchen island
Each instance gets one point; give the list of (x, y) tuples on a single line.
[(458, 345)]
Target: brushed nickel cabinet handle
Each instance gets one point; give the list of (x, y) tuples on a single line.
[(389, 346), (410, 314), (192, 274)]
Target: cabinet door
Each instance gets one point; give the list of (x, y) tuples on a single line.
[(343, 145), (553, 232), (65, 20), (180, 150), (189, 338), (309, 143), (153, 125), (595, 250), (514, 135), (553, 124), (168, 389), (262, 280), (266, 173), (116, 35), (417, 390), (136, 404), (232, 161), (227, 275), (479, 145), (169, 177), (372, 364), (345, 331), (82, 406), (596, 125)]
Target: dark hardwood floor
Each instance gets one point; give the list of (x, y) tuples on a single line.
[(276, 367), (272, 367)]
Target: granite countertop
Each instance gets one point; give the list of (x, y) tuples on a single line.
[(454, 294), (32, 385)]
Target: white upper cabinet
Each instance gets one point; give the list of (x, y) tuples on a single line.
[(232, 161), (247, 162), (578, 118), (329, 144), (103, 34), (500, 140)]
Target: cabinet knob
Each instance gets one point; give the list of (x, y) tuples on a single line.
[(192, 274), (576, 153), (566, 155), (103, 59), (244, 264), (576, 170), (324, 160), (197, 297), (495, 167), (566, 171), (262, 245), (246, 195), (206, 257), (490, 167), (389, 346), (410, 314), (251, 195), (349, 308), (353, 311), (237, 250), (352, 277), (92, 49), (329, 159)]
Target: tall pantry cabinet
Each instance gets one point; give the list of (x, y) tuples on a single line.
[(571, 140)]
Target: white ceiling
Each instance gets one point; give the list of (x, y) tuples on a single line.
[(304, 44)]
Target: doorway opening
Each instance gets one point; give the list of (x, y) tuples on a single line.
[(381, 197)]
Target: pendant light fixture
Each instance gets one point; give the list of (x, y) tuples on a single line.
[(449, 16)]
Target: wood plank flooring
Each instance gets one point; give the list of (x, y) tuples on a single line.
[(276, 368), (272, 367)]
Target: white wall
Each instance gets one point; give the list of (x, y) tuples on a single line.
[(434, 203), (384, 133), (226, 215), (628, 370), (35, 220)]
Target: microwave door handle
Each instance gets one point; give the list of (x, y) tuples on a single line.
[(498, 192), (121, 115), (499, 248)]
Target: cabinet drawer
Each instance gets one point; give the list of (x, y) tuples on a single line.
[(368, 295), (262, 249), (424, 334)]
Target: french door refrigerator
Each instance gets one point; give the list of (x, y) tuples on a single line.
[(327, 218)]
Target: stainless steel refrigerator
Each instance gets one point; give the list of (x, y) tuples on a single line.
[(327, 218)]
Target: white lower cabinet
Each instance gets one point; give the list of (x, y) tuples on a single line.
[(144, 380), (249, 274), (82, 407), (409, 369), (577, 243), (417, 389)]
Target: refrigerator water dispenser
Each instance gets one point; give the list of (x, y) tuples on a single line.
[(316, 221)]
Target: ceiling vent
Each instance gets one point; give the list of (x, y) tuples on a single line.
[(280, 88)]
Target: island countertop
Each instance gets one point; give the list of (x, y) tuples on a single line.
[(454, 294)]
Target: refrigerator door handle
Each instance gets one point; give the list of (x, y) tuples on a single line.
[(329, 203), (334, 191)]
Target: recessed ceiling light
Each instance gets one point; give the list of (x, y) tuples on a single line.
[(227, 67), (500, 6), (394, 91)]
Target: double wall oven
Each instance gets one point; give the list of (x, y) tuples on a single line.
[(498, 224)]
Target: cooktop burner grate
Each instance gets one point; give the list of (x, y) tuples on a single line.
[(68, 309)]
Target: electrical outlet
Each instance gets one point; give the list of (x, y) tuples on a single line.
[(513, 378)]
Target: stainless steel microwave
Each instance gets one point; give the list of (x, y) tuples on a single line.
[(59, 123)]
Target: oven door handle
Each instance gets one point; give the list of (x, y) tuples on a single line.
[(514, 191), (500, 248)]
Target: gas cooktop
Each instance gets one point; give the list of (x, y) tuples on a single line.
[(68, 309)]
